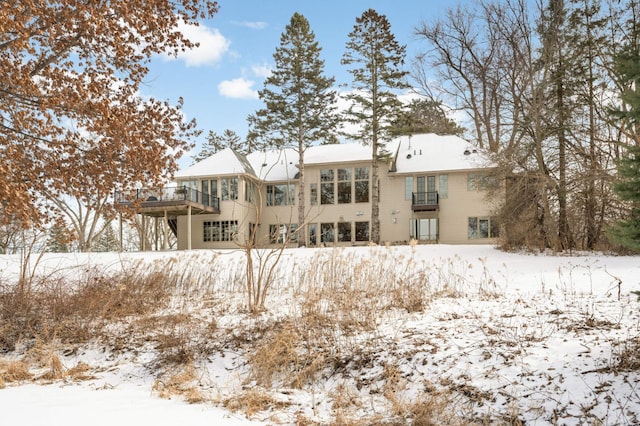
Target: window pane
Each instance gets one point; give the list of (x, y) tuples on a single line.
[(344, 231), (313, 194), (472, 228), (214, 187), (344, 192), (444, 186), (206, 232), (433, 229), (292, 194), (326, 193), (431, 183), (273, 233), (224, 190), (312, 234), (362, 231), (326, 175), (408, 187), (362, 191), (326, 230), (344, 174), (362, 173), (483, 228), (423, 229)]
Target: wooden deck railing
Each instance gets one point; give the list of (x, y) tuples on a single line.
[(158, 195)]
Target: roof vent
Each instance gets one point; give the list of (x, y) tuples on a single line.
[(264, 164), (475, 151), (408, 156), (467, 152)]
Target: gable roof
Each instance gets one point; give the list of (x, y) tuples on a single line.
[(224, 162)]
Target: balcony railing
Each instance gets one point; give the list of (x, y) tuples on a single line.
[(167, 194), (424, 201)]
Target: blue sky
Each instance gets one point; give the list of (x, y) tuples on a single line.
[(219, 80)]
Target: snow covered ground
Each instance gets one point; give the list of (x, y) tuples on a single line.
[(498, 337)]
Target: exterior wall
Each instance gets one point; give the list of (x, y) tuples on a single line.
[(396, 211), (452, 215), (230, 210)]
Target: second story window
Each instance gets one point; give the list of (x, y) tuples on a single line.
[(229, 188), (362, 184), (326, 186), (344, 186), (281, 194)]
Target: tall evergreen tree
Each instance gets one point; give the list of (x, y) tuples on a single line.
[(591, 47), (425, 116), (375, 59), (627, 232), (216, 142), (300, 106), (627, 67), (558, 61)]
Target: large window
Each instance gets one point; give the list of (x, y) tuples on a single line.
[(344, 231), (424, 229), (362, 231), (220, 230), (344, 186), (482, 227), (229, 188), (362, 184), (283, 233), (250, 189), (480, 182), (326, 233), (281, 194), (327, 186), (313, 234)]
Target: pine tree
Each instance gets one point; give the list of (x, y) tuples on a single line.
[(58, 239), (375, 59), (425, 116), (216, 142), (299, 103), (627, 66), (108, 241), (627, 232)]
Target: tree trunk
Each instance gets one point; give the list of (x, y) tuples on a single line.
[(302, 235)]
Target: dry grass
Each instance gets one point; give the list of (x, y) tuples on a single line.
[(76, 311), (14, 371), (183, 382), (252, 401)]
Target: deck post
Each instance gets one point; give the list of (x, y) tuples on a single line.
[(142, 236), (189, 227), (165, 243)]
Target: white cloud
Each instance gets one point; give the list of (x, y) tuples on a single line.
[(254, 25), (261, 70), (238, 88), (212, 45)]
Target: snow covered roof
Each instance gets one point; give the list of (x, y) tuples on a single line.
[(274, 165), (336, 153), (434, 153), (225, 162), (411, 154)]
